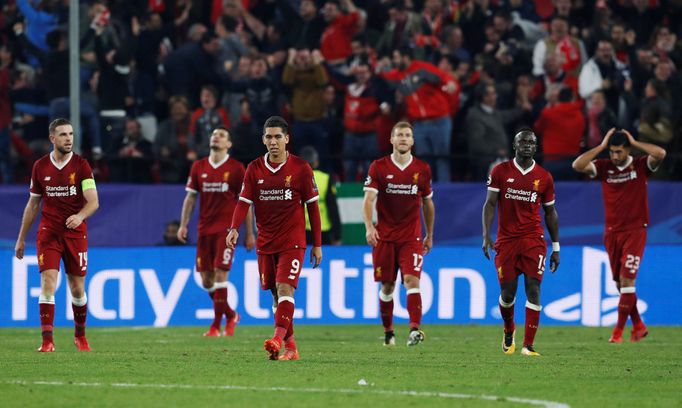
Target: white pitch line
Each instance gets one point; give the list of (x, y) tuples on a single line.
[(535, 402)]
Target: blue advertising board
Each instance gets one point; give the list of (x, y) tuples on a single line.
[(158, 287)]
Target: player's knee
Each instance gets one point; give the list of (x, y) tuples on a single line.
[(507, 297), (387, 288), (411, 282), (533, 295)]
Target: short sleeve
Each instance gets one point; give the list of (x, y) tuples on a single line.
[(548, 195), (599, 167), (36, 189), (85, 171), (493, 182), (238, 179), (427, 191), (372, 180), (246, 193), (309, 191), (192, 185)]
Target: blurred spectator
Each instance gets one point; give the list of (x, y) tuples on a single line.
[(171, 144), (39, 20), (639, 16), (400, 30), (204, 120), (605, 72), (487, 138), (453, 44), (6, 174), (561, 127), (366, 97), (307, 78), (554, 77), (132, 155), (656, 120), (599, 119), (335, 41), (305, 27), (170, 234), (425, 90), (191, 66), (569, 50), (231, 45)]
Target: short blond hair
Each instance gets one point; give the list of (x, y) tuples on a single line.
[(400, 125)]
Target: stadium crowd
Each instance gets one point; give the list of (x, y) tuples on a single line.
[(158, 76)]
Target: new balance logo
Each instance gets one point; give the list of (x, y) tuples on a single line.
[(390, 176), (204, 175), (260, 181), (510, 180), (48, 178)]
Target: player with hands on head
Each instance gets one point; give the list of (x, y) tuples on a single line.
[(518, 188), (626, 206)]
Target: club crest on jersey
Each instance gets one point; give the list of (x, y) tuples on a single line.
[(490, 180), (287, 181), (72, 178), (377, 272), (41, 259), (415, 178), (226, 175), (536, 184)]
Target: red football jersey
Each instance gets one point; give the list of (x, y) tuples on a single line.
[(218, 187), (521, 193), (626, 202), (61, 191), (400, 190), (278, 194)]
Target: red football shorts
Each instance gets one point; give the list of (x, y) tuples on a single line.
[(70, 247), (520, 256), (388, 257), (625, 249), (212, 253), (282, 267)]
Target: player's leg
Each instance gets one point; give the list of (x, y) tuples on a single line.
[(411, 262), (48, 285), (385, 272), (205, 260), (614, 250), (507, 276), (76, 266), (222, 265), (633, 248), (533, 308)]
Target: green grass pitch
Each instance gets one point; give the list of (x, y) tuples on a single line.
[(343, 366)]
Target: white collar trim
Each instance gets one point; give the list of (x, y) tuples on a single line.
[(402, 167), (63, 164), (627, 163), (220, 163), (526, 171), (275, 169)]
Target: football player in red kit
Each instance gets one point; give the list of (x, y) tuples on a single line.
[(400, 184), (519, 187), (624, 190), (64, 182), (280, 186)]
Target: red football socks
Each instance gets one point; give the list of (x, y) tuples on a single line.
[(80, 314), (634, 314), (219, 305), (508, 318), (625, 305), (532, 321), (414, 307), (386, 309), (283, 316), (47, 320)]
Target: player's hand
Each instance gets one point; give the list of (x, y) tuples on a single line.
[(182, 234), (605, 142), (316, 256), (487, 243), (19, 249), (428, 244), (631, 138), (554, 261), (250, 242), (231, 240), (74, 221), (372, 236)]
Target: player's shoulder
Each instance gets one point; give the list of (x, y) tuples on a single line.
[(421, 164), (504, 167), (543, 172), (235, 163), (298, 163), (382, 162), (42, 161), (256, 163)]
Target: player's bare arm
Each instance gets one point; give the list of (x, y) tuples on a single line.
[(232, 236), (552, 222), (429, 219), (250, 241), (487, 220), (371, 233), (656, 153), (316, 256), (583, 163), (187, 209), (91, 205), (30, 213)]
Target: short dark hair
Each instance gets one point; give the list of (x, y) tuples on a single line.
[(276, 121), (56, 123), (221, 127), (619, 138), (481, 91)]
